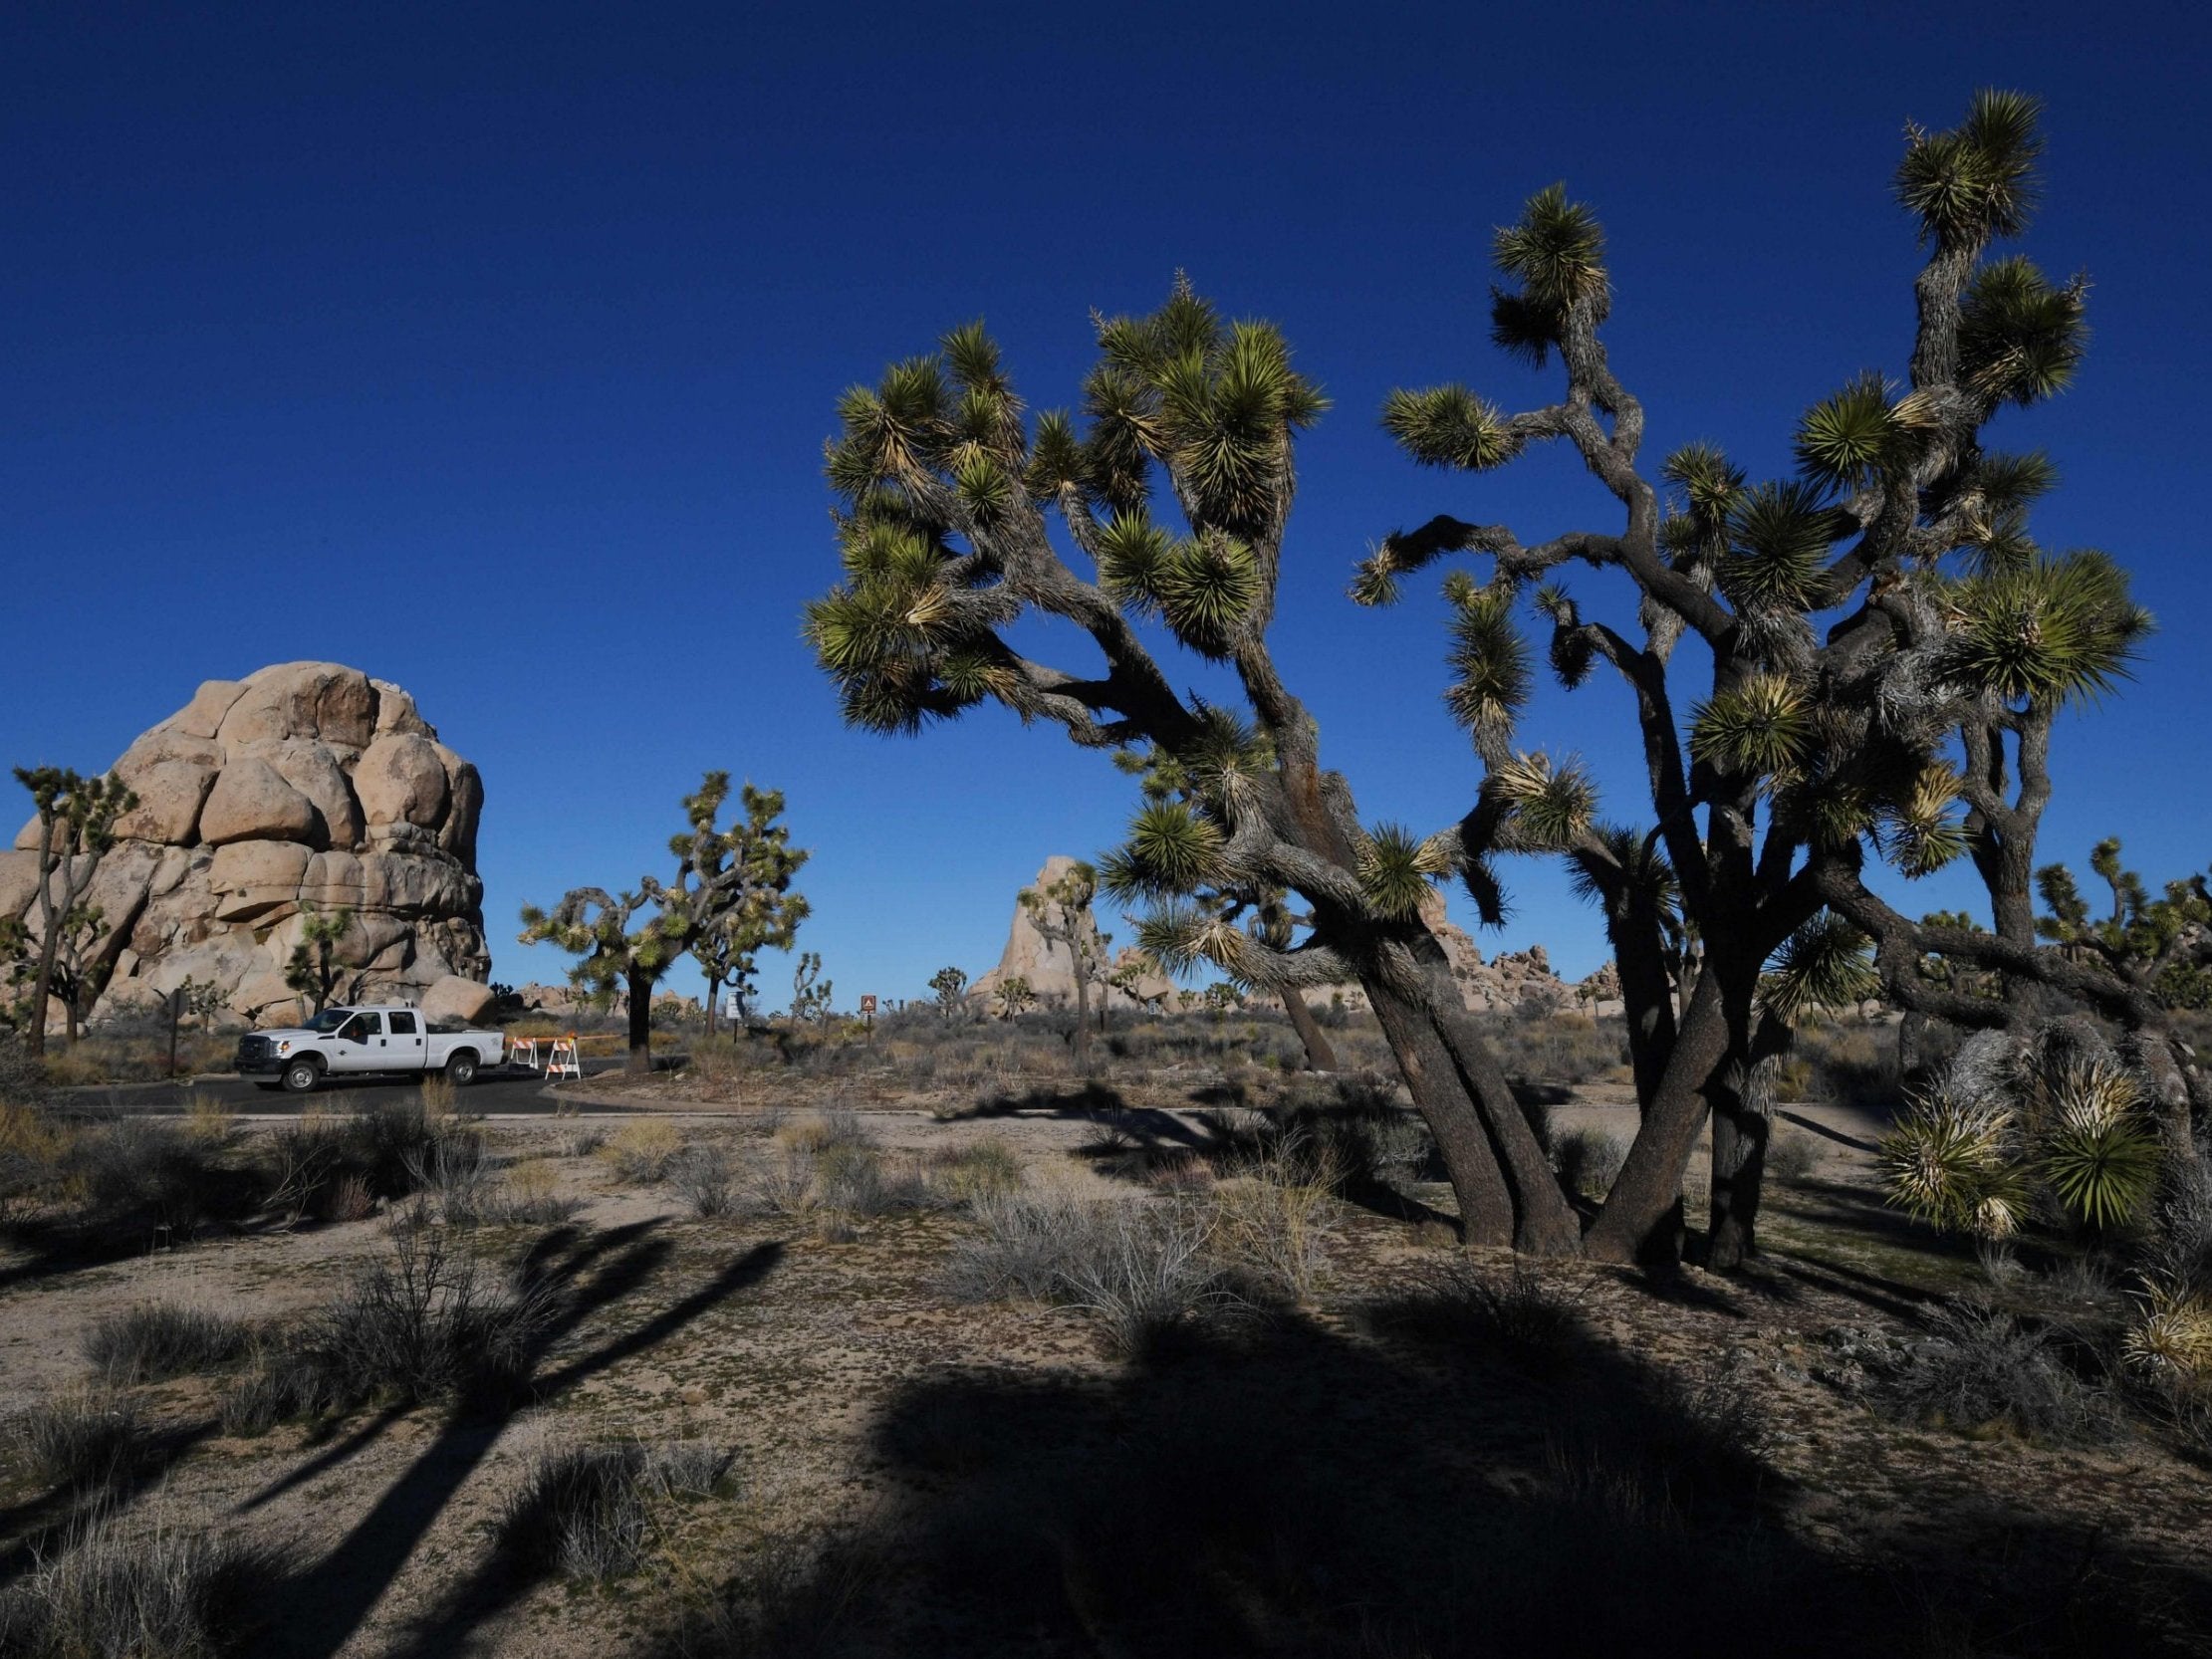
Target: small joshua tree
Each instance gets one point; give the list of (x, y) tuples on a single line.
[(1015, 997), (2163, 945), (1060, 911), (737, 878), (948, 985), (809, 995), (76, 829), (314, 971)]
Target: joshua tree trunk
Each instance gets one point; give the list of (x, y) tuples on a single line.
[(641, 1058), (1319, 1056), (714, 995), (1642, 1220), (1083, 1013)]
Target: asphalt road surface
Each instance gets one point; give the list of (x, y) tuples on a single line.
[(492, 1093)]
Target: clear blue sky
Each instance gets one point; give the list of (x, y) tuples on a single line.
[(491, 350)]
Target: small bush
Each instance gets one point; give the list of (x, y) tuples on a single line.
[(1515, 1320), (1145, 1273), (168, 1595), (585, 1512), (986, 1168), (642, 1151), (1792, 1156), (1981, 1368), (835, 1129), (1266, 1231), (426, 1326), (1590, 1160), (80, 1439), (164, 1339), (1026, 1248), (706, 1180)]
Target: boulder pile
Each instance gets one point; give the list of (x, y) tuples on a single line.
[(303, 786)]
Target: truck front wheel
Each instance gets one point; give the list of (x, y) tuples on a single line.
[(461, 1070), (300, 1077)]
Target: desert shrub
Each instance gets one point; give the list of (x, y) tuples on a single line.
[(322, 1164), (168, 1594), (986, 1168), (1145, 1273), (581, 1140), (832, 1128), (164, 1339), (705, 1179), (1848, 1065), (424, 1325), (527, 1198), (585, 1512), (1515, 1320), (1981, 1368), (782, 1183), (79, 1438), (1267, 1234), (1558, 1048), (856, 1180), (642, 1151), (1026, 1246), (1590, 1160), (23, 1080), (1792, 1156), (440, 1099), (32, 1147), (143, 1174), (451, 1176)]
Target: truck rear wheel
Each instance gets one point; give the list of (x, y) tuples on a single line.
[(461, 1070), (300, 1077)]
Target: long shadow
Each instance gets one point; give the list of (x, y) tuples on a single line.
[(1826, 1132), (48, 1521), (1456, 1484), (327, 1602)]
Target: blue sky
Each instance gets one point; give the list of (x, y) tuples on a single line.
[(491, 351)]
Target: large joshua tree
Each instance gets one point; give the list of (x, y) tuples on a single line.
[(735, 880), (1880, 639), (951, 505), (1858, 625)]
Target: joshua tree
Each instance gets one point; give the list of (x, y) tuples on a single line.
[(1060, 911), (736, 880), (1015, 997), (312, 971), (764, 913), (2163, 945), (1857, 620), (1803, 747), (189, 999), (809, 997), (76, 827), (949, 985)]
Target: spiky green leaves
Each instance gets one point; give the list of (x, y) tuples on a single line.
[(1206, 588), (1172, 849), (1826, 964), (2054, 631), (1555, 251), (1449, 426), (1132, 561), (1762, 726), (1778, 540), (2101, 1153), (1852, 439), (1395, 869), (1547, 804), (1976, 180), (1489, 663), (2019, 338), (1919, 834), (1947, 1163)]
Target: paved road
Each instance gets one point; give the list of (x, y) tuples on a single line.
[(492, 1093)]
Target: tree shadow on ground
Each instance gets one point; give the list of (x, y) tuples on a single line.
[(321, 1608), (40, 1527), (1468, 1477)]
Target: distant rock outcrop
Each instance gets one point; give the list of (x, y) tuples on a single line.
[(305, 786), (1049, 969)]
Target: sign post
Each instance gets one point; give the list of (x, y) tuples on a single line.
[(868, 1011)]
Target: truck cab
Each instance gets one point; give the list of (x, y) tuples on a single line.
[(373, 1039)]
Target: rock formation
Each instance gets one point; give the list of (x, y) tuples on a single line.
[(1517, 982), (1049, 969), (305, 786)]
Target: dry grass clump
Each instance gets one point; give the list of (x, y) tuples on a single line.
[(165, 1595), (642, 1151), (1516, 1319), (322, 1164), (80, 1439), (155, 1341), (1984, 1370), (585, 1512), (986, 1168), (427, 1325), (1588, 1160), (706, 1178), (1793, 1155)]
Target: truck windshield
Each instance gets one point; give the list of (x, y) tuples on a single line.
[(330, 1020)]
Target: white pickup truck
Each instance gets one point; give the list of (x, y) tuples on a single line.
[(357, 1041)]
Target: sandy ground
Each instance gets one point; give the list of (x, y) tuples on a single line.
[(783, 1342)]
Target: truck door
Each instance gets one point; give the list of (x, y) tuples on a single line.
[(360, 1045), (407, 1042)]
